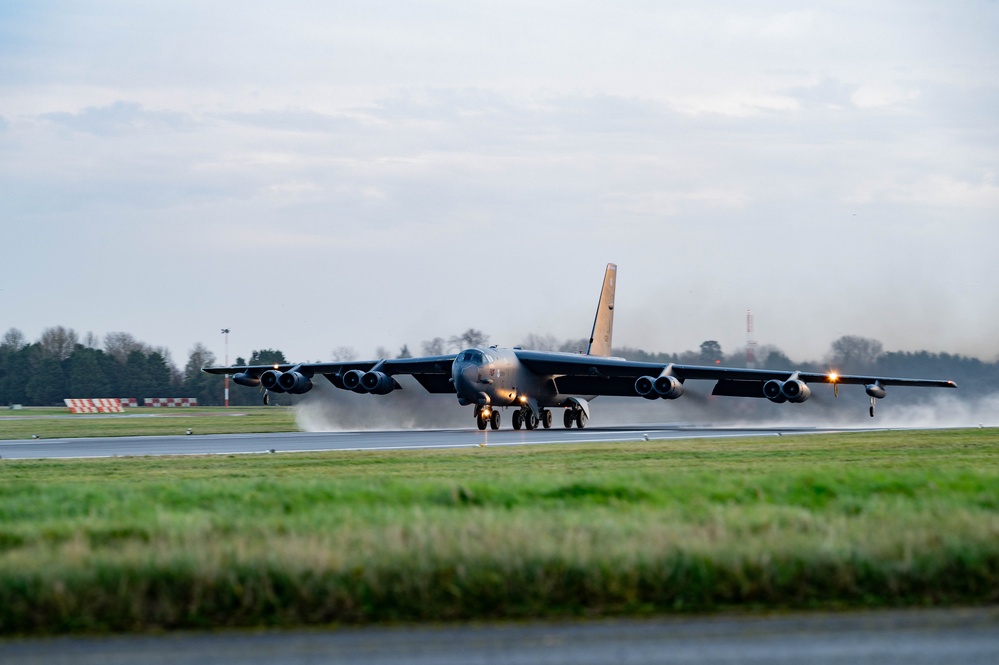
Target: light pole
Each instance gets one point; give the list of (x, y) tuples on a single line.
[(225, 332)]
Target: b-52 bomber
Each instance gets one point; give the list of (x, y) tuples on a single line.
[(532, 383)]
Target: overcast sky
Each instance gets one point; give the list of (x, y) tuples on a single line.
[(373, 173)]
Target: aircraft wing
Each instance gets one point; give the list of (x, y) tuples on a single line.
[(597, 375), (432, 372)]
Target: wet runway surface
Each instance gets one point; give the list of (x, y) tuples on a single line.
[(219, 444), (967, 636)]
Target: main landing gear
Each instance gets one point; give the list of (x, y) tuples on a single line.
[(872, 407), (574, 415), (525, 418), (486, 416)]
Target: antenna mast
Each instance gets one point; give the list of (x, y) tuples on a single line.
[(750, 342)]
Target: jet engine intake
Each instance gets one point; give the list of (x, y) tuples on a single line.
[(295, 383), (773, 390), (668, 387), (352, 381), (796, 390), (270, 380), (377, 383), (644, 387), (246, 379)]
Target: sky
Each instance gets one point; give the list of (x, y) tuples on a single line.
[(372, 174)]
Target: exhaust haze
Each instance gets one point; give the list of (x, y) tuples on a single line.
[(328, 409)]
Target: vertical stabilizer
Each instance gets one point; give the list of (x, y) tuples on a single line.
[(603, 323)]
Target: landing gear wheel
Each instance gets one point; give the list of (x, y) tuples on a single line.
[(546, 419), (580, 419), (518, 419), (568, 418), (530, 420), (267, 399), (480, 421), (494, 420), (872, 411)]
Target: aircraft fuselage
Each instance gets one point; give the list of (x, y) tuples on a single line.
[(496, 377)]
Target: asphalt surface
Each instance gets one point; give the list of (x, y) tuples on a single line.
[(967, 636), (220, 444)]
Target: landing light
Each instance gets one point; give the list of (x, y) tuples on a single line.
[(276, 365), (523, 399), (833, 377)]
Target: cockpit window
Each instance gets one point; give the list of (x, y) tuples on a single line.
[(473, 356)]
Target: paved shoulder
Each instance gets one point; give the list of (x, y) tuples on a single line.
[(968, 636)]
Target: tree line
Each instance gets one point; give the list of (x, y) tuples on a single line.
[(62, 364)]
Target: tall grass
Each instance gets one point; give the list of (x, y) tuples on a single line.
[(635, 528)]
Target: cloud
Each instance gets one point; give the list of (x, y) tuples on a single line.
[(720, 154), (294, 120), (118, 118), (878, 96), (936, 190)]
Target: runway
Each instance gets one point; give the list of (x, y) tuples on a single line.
[(229, 444), (913, 637)]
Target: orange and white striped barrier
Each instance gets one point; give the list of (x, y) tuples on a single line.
[(96, 405)]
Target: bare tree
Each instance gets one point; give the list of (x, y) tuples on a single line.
[(541, 342), (119, 344), (58, 342), (13, 340), (574, 346), (433, 347), (91, 341), (199, 357), (343, 354), (852, 352), (469, 338)]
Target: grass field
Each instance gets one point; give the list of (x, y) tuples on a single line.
[(57, 423), (845, 520)]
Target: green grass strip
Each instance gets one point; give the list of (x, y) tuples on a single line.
[(846, 520), (51, 423)]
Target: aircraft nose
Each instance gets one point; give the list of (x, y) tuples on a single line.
[(466, 377)]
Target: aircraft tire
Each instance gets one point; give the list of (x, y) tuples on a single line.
[(580, 419), (546, 419), (568, 418), (518, 419), (480, 422), (530, 420), (494, 420)]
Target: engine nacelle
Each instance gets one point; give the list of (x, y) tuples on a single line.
[(246, 379), (270, 380), (796, 390), (773, 390), (295, 383), (668, 387), (644, 387), (875, 390), (377, 383), (352, 381)]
